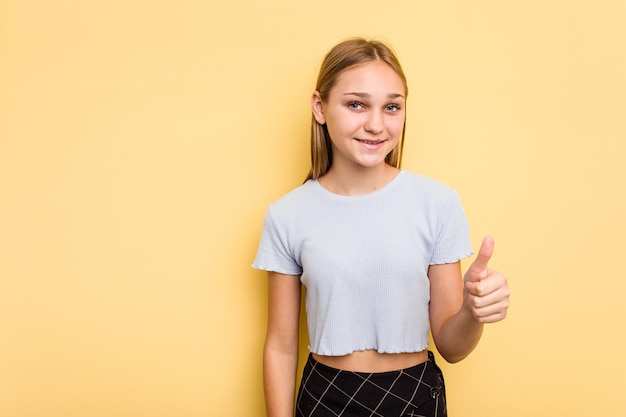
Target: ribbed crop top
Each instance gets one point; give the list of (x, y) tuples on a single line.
[(364, 259)]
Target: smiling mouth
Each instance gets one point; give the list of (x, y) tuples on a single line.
[(371, 142)]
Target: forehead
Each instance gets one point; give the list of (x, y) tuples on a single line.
[(371, 77)]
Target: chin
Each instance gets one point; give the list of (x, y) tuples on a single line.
[(372, 164)]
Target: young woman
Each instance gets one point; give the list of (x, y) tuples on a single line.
[(378, 250)]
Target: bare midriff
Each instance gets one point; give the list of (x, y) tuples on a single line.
[(373, 361)]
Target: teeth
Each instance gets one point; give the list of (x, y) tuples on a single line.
[(371, 142)]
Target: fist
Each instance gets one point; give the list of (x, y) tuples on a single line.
[(486, 292)]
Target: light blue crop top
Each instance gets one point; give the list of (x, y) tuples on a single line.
[(364, 259)]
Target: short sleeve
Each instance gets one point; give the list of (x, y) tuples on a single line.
[(453, 238), (274, 252)]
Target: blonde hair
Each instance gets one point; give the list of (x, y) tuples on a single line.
[(342, 56)]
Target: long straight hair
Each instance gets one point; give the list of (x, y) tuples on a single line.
[(342, 56)]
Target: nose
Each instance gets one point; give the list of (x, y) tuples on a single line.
[(374, 122)]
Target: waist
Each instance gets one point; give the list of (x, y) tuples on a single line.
[(373, 361)]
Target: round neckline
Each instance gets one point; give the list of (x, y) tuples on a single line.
[(374, 193)]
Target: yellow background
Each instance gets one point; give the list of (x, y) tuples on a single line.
[(141, 141)]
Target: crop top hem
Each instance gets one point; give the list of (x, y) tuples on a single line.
[(387, 351)]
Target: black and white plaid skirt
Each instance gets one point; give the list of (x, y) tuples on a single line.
[(418, 391)]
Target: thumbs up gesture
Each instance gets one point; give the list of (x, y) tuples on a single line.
[(486, 292)]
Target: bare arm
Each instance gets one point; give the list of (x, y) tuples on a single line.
[(280, 355), (459, 309)]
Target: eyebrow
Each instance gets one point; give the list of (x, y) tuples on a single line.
[(366, 95)]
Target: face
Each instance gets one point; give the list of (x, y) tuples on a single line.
[(364, 114)]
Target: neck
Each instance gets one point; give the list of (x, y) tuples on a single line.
[(357, 181)]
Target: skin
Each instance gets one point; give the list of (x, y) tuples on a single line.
[(365, 115)]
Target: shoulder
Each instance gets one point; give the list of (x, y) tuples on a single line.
[(298, 195), (295, 201), (424, 186)]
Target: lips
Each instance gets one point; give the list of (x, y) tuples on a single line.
[(371, 142)]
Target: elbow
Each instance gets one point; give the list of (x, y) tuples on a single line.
[(453, 357), (454, 351), (283, 346)]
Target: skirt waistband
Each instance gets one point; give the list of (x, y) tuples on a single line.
[(415, 391)]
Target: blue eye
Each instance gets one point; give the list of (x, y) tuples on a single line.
[(393, 108), (355, 105)]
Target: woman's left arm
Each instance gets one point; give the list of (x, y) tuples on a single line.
[(458, 309)]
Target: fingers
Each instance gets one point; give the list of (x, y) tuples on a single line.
[(488, 299), (492, 283), (491, 314)]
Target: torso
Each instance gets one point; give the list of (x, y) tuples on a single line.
[(372, 361), (379, 286)]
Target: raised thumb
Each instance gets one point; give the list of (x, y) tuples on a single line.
[(478, 269)]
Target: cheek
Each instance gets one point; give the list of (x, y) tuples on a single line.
[(396, 127), (345, 125)]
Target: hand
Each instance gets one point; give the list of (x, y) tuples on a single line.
[(486, 293)]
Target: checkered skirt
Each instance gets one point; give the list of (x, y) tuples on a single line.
[(418, 391)]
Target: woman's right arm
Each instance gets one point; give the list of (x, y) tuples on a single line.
[(280, 355)]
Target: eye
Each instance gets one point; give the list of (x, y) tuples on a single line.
[(355, 105), (393, 108)]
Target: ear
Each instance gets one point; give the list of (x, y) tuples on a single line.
[(318, 108)]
